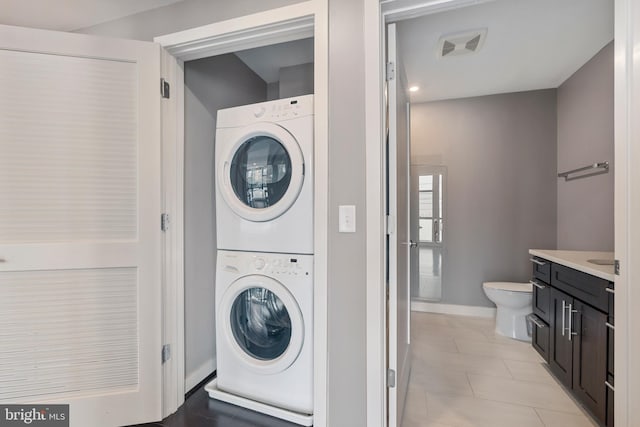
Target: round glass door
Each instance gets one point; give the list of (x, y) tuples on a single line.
[(261, 321), (260, 172), (260, 324)]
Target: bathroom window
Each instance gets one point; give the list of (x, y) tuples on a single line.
[(430, 208)]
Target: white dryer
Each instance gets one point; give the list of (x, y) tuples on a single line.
[(264, 330), (264, 177)]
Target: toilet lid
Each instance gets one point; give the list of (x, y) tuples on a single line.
[(509, 286)]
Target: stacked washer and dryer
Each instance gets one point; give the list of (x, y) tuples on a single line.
[(264, 274)]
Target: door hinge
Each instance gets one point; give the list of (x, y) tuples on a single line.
[(391, 71), (164, 222), (165, 88), (616, 267), (391, 378), (390, 224), (166, 352)]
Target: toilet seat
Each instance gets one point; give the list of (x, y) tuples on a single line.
[(509, 286)]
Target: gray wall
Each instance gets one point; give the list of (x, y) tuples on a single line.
[(296, 80), (347, 268), (211, 83), (500, 154), (585, 136), (347, 260)]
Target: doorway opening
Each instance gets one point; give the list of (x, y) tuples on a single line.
[(502, 143)]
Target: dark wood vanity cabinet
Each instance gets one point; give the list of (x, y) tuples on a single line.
[(578, 333)]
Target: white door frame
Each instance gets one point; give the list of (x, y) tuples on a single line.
[(307, 19), (627, 204)]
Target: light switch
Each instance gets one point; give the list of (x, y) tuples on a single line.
[(347, 219)]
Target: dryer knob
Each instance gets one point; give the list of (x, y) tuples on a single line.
[(259, 111), (259, 263)]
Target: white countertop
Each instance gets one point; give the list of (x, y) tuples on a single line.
[(578, 261)]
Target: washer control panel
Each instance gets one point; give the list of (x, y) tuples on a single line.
[(287, 265), (268, 264)]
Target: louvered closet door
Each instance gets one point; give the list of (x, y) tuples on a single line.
[(79, 225)]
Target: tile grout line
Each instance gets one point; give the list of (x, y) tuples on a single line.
[(540, 417)]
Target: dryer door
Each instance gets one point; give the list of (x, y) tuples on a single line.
[(262, 174), (261, 321)]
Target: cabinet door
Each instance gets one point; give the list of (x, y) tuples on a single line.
[(560, 348), (590, 358)]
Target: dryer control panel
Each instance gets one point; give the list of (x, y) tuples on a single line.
[(270, 111)]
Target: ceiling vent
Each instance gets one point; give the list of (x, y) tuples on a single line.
[(461, 43)]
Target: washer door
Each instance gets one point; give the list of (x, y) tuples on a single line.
[(262, 323), (262, 174)]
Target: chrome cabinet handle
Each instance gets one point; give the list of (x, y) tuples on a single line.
[(564, 310), (535, 261), (537, 323), (610, 290), (571, 311), (537, 285), (609, 386), (610, 326)]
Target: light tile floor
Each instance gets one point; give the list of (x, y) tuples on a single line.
[(464, 375)]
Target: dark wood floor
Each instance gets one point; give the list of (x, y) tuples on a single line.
[(201, 411)]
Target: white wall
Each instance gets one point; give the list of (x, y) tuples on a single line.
[(212, 83), (180, 16), (585, 136), (500, 154)]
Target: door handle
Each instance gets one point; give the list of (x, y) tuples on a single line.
[(535, 261), (411, 244)]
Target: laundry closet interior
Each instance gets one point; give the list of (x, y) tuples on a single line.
[(283, 76)]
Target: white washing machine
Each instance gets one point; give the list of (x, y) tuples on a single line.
[(264, 177), (264, 330)]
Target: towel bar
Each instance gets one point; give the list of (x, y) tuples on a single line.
[(600, 168)]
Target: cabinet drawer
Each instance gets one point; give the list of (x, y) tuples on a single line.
[(611, 296), (540, 336), (541, 269), (541, 299), (585, 287)]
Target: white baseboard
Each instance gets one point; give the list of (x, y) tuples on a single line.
[(460, 310), (202, 372)]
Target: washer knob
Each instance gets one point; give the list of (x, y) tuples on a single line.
[(259, 111), (259, 263)]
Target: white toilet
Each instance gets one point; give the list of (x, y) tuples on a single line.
[(513, 302)]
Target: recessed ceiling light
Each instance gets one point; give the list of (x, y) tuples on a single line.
[(414, 88)]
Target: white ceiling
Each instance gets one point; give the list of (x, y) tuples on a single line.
[(530, 44), (69, 15), (266, 61)]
